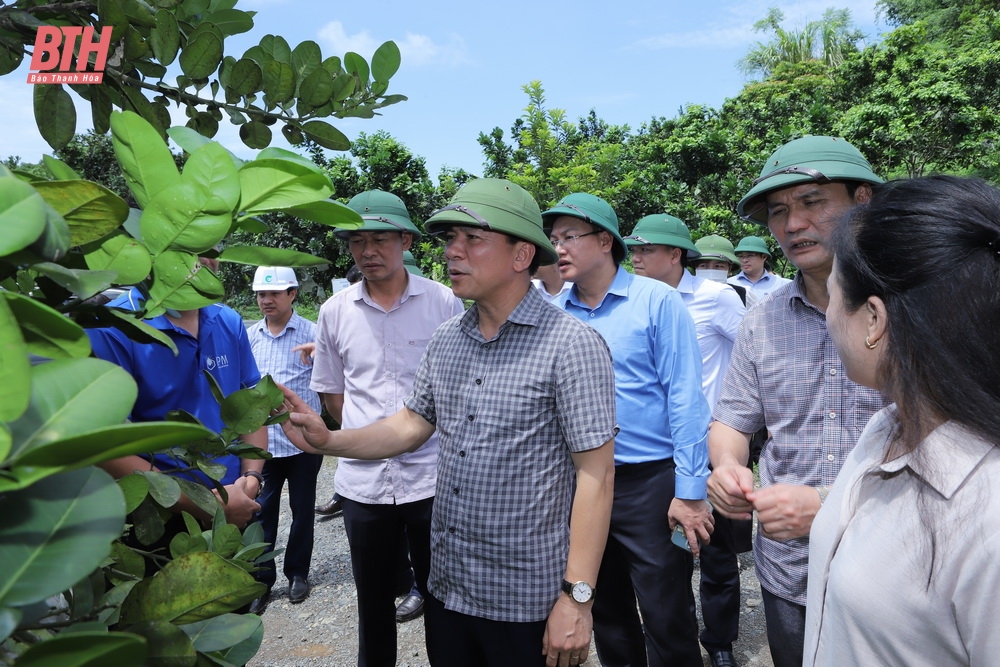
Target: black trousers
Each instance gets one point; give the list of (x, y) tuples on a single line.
[(300, 471), (786, 629), (720, 585), (377, 534), (460, 640), (641, 565)]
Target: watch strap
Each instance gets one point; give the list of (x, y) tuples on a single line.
[(260, 480)]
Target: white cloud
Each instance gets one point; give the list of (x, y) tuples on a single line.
[(734, 25), (415, 49)]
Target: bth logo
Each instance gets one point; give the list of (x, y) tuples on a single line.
[(53, 55)]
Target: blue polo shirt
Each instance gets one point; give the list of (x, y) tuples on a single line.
[(169, 383), (661, 409)]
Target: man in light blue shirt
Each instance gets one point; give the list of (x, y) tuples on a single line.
[(661, 453), (272, 340), (755, 276)]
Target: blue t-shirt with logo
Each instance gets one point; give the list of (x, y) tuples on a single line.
[(169, 383)]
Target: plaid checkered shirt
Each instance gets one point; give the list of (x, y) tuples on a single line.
[(510, 411), (785, 374)]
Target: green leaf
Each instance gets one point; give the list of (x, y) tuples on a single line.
[(163, 488), (5, 440), (244, 411), (202, 55), (343, 87), (385, 61), (125, 321), (355, 64), (186, 217), (103, 445), (15, 370), (200, 495), (250, 224), (183, 543), (222, 632), (259, 256), (60, 170), (246, 77), (277, 48), (100, 109), (86, 649), (70, 397), (121, 253), (306, 57), (22, 215), (168, 645), (81, 282), (279, 81), (54, 242), (165, 37), (273, 184), (317, 88), (327, 212), (55, 114), (9, 620), (192, 588), (135, 488), (231, 21), (148, 522), (10, 59), (212, 168), (182, 283), (91, 210), (255, 134), (326, 135), (56, 532), (145, 160), (45, 331), (391, 99), (226, 540)]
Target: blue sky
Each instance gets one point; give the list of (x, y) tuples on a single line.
[(464, 64)]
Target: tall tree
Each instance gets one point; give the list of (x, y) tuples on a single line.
[(829, 40)]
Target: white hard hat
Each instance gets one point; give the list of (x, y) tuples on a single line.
[(274, 279)]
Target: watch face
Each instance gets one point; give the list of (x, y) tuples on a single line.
[(582, 592)]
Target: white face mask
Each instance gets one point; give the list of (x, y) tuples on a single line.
[(718, 275)]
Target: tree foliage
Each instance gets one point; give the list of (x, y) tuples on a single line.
[(829, 40), (270, 83)]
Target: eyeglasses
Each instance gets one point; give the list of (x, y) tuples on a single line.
[(569, 240), (814, 174)]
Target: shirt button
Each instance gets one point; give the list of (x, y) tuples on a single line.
[(478, 381), (462, 453), (829, 457), (455, 490), (833, 371), (592, 314), (833, 415), (451, 529), (472, 418), (388, 344)]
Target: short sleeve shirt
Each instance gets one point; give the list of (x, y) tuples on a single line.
[(370, 355), (785, 373), (510, 411), (167, 382), (274, 356)]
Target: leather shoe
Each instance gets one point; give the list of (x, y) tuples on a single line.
[(332, 508), (410, 608), (298, 590), (259, 605), (722, 659)]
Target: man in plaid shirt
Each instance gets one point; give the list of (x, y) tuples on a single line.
[(785, 374), (522, 397)]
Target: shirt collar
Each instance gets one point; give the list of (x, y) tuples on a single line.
[(291, 325), (945, 458), (796, 292), (619, 287), (414, 285), (687, 284), (526, 313)]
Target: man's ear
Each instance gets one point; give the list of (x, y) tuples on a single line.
[(524, 255), (407, 240), (863, 194)]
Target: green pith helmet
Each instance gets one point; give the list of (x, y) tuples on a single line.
[(810, 158), (663, 229), (589, 208), (716, 247), (753, 244), (410, 262), (382, 212), (498, 205)]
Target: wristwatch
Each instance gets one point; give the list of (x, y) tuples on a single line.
[(580, 591), (260, 481)]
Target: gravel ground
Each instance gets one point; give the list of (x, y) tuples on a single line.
[(322, 630)]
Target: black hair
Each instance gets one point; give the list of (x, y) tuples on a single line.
[(929, 248)]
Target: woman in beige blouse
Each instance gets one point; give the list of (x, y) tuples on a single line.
[(904, 560)]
